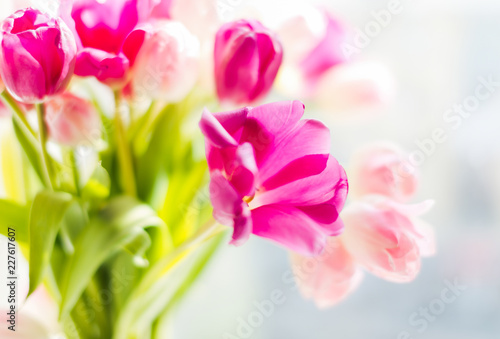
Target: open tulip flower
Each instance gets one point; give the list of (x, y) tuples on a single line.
[(272, 175), (119, 206)]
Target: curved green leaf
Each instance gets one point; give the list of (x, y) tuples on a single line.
[(14, 216), (163, 285), (121, 224), (47, 212)]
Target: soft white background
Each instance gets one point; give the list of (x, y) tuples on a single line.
[(436, 50)]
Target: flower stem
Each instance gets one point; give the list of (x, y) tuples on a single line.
[(124, 153), (46, 161), (14, 106), (76, 173)]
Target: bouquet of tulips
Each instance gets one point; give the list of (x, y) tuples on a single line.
[(135, 135)]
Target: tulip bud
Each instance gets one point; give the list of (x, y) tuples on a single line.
[(72, 121), (247, 57), (37, 55), (166, 66)]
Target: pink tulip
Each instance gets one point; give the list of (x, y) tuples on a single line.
[(383, 169), (247, 57), (327, 53), (102, 28), (385, 239), (329, 278), (313, 41), (166, 66), (272, 175), (37, 55), (355, 87), (104, 25), (72, 121), (302, 28)]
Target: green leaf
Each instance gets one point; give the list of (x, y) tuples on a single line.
[(14, 216), (152, 297), (31, 147), (117, 226), (47, 212)]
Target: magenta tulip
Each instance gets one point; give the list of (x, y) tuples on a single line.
[(272, 175), (102, 28), (247, 57), (37, 55)]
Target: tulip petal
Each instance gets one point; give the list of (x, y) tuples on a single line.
[(229, 208), (106, 67), (289, 227), (317, 189), (214, 131), (24, 77), (240, 167)]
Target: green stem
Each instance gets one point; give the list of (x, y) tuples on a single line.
[(124, 153), (46, 161), (14, 106), (76, 173)]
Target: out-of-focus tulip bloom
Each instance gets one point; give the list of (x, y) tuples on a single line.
[(383, 237), (167, 65), (301, 30), (199, 16), (272, 175), (102, 28), (327, 53), (312, 40), (72, 121), (247, 57), (355, 86), (384, 169), (328, 278), (37, 55)]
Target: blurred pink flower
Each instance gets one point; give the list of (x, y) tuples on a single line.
[(102, 28), (167, 65), (385, 239), (302, 28), (272, 175), (37, 55), (327, 53), (381, 236), (329, 278), (383, 168), (355, 86), (247, 57), (72, 121)]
